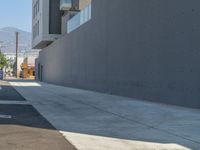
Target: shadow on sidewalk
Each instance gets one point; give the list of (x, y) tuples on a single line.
[(22, 127), (89, 125)]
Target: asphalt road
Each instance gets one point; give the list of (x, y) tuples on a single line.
[(8, 93), (23, 128)]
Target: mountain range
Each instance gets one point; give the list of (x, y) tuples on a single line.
[(8, 40)]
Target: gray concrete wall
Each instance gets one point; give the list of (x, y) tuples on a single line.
[(145, 49)]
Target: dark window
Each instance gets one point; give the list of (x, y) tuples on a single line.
[(54, 17)]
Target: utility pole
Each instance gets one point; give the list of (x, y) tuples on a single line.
[(17, 40), (1, 42)]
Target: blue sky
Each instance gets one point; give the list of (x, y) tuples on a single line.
[(16, 13)]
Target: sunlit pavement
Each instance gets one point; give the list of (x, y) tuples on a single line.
[(95, 121), (22, 127)]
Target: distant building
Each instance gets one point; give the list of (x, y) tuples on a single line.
[(27, 57), (138, 48), (12, 61), (28, 68)]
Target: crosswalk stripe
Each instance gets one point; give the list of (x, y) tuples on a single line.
[(6, 102), (6, 116)]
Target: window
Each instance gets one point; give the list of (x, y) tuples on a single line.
[(36, 30), (36, 8)]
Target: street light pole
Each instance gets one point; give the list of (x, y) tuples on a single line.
[(17, 39)]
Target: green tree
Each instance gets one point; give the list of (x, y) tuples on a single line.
[(3, 61)]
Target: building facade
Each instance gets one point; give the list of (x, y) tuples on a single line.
[(143, 49), (46, 22)]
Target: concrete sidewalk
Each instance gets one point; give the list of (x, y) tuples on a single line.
[(95, 121)]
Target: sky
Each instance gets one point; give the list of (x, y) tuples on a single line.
[(16, 13)]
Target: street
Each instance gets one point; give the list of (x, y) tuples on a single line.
[(99, 121), (22, 127), (99, 75)]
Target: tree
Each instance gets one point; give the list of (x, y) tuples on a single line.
[(3, 61)]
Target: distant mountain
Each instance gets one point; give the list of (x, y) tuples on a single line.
[(7, 39)]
